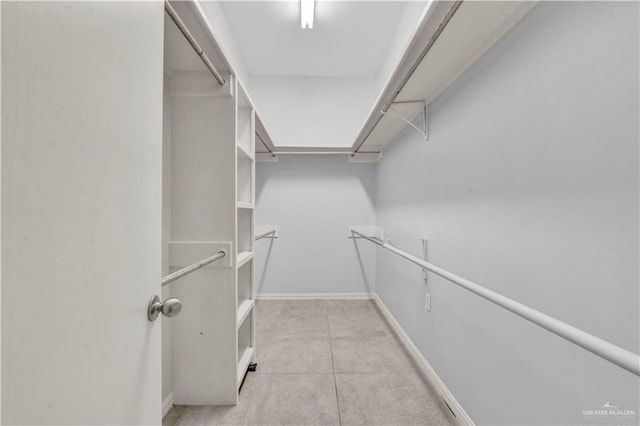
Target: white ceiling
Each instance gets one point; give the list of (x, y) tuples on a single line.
[(349, 38)]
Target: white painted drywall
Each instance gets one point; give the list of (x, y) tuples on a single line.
[(313, 199), (81, 195), (220, 28), (528, 185), (407, 26), (313, 111)]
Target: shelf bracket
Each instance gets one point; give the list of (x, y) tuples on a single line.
[(425, 111), (425, 273), (425, 250)]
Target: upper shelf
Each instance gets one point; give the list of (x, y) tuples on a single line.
[(264, 144), (188, 73), (451, 37), (179, 55)]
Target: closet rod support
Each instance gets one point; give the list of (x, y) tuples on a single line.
[(265, 145), (424, 132)]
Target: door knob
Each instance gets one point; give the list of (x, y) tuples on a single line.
[(169, 308)]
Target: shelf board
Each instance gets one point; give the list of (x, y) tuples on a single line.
[(244, 205), (242, 152), (243, 363), (244, 309), (243, 257)]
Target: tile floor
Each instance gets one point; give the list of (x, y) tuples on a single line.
[(325, 362)]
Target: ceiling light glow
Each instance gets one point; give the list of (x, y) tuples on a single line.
[(307, 9)]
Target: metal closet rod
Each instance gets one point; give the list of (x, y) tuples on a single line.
[(434, 37), (192, 41), (189, 269), (606, 350), (264, 234), (312, 152)]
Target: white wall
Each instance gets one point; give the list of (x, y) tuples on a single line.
[(407, 26), (313, 199), (220, 28), (528, 185), (313, 111)]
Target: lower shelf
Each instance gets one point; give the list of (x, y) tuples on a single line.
[(243, 363), (243, 310)]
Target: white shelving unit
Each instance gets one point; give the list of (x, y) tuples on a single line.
[(209, 174), (245, 185)]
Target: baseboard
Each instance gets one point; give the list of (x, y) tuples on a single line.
[(461, 416), (316, 296), (167, 404)]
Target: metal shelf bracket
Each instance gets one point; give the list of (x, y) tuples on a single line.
[(425, 251), (425, 115)]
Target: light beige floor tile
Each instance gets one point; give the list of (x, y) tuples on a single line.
[(294, 399), (233, 414), (270, 305), (368, 355), (263, 344), (351, 307), (303, 325), (298, 355), (357, 326), (306, 307), (185, 415), (205, 415), (389, 399), (302, 336), (268, 311), (265, 333), (224, 414)]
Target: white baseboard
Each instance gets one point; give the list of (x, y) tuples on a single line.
[(167, 404), (461, 416), (311, 296)]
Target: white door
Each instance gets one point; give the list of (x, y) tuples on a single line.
[(81, 206)]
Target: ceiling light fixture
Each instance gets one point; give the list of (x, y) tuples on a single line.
[(307, 9)]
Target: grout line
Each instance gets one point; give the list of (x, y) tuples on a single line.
[(335, 382)]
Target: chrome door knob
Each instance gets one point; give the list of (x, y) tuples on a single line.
[(169, 308)]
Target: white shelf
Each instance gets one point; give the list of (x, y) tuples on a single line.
[(244, 309), (244, 230), (471, 31), (243, 153), (245, 180), (244, 257), (244, 205), (243, 363)]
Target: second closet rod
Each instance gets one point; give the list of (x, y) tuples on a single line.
[(192, 41), (168, 279)]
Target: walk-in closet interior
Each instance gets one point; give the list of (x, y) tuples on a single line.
[(320, 212)]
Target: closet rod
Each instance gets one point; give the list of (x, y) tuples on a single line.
[(612, 353), (192, 41), (189, 269), (434, 37), (264, 234), (312, 152)]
